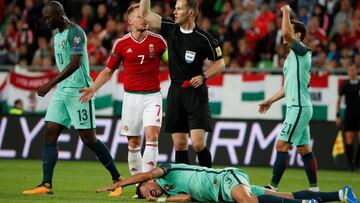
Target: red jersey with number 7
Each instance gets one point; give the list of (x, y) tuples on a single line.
[(141, 60)]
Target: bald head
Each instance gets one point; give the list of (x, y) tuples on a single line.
[(54, 15), (55, 6)]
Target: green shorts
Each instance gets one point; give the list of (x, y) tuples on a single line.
[(66, 109), (233, 178), (296, 130)]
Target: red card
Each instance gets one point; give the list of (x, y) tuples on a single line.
[(186, 84)]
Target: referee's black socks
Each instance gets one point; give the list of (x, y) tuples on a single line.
[(182, 157), (357, 159), (349, 150), (204, 157)]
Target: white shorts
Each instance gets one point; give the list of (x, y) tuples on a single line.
[(140, 110)]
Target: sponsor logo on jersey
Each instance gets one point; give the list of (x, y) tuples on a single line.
[(189, 56), (129, 50), (151, 51)]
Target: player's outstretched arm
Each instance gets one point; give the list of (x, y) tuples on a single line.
[(264, 106), (69, 69), (153, 19), (103, 77), (286, 28), (137, 178)]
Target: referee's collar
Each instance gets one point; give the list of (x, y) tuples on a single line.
[(354, 82), (186, 31)]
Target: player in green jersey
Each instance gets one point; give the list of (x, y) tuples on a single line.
[(70, 48), (186, 183), (295, 131)]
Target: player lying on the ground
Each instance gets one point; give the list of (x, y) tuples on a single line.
[(185, 183)]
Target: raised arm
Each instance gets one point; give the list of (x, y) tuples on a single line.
[(286, 28), (153, 19)]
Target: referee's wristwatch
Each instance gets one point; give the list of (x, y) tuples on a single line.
[(203, 76)]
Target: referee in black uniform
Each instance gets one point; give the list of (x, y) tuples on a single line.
[(351, 123), (187, 102)]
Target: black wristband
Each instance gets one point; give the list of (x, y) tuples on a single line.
[(203, 76), (337, 114)]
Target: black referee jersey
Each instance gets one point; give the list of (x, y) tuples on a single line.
[(188, 50), (351, 91)]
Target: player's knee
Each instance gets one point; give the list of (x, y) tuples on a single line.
[(50, 136), (152, 137), (134, 142), (303, 150), (198, 146), (179, 145), (282, 146), (50, 139), (88, 139)]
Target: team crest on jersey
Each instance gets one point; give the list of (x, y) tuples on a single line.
[(126, 128), (77, 39), (151, 51), (189, 56), (62, 44), (168, 187)]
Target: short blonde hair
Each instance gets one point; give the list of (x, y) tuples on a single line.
[(132, 7)]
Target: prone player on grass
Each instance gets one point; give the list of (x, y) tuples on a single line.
[(185, 183)]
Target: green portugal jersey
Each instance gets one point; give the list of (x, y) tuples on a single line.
[(201, 183), (72, 41), (297, 73)]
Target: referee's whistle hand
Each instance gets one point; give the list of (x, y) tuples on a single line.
[(87, 94), (196, 81)]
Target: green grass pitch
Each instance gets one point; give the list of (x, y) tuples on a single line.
[(76, 181)]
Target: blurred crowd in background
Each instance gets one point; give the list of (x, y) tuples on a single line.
[(248, 30)]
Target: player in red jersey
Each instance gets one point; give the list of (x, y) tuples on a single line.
[(141, 52)]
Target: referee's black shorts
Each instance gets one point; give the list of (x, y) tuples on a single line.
[(187, 109), (351, 121)]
